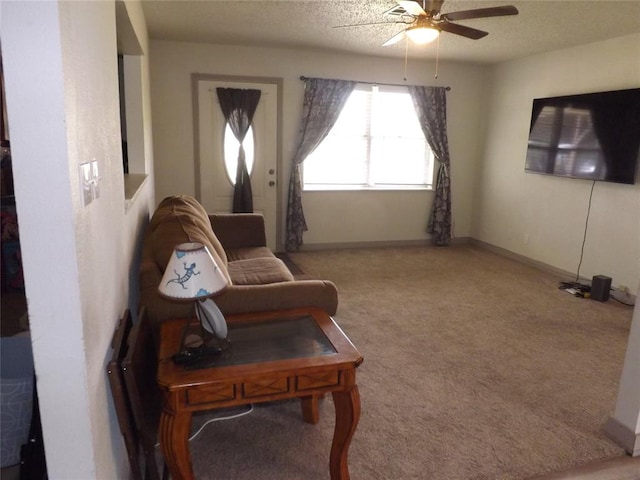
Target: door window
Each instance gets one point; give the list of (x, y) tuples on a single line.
[(231, 147)]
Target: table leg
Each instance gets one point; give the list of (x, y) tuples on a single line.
[(174, 443), (310, 412), (347, 403)]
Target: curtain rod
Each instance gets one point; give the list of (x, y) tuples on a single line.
[(303, 78)]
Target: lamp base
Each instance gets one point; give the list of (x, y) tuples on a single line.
[(198, 346), (193, 355)]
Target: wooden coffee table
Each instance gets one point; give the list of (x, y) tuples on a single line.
[(273, 356)]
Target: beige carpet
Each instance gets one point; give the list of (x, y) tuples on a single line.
[(476, 367)]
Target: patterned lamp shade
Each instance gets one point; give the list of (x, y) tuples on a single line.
[(191, 274)]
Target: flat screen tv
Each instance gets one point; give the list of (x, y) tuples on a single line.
[(595, 136)]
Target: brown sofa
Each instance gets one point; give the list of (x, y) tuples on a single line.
[(259, 281)]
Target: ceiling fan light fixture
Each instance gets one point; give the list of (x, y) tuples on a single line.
[(422, 35)]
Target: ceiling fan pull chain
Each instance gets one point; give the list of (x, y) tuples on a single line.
[(437, 55), (406, 54)]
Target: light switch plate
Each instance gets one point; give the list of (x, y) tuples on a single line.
[(89, 182), (85, 183), (95, 177)]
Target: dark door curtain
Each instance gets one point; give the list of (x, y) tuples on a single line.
[(238, 107)]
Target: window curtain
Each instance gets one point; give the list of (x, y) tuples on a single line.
[(431, 107), (238, 107), (323, 102)]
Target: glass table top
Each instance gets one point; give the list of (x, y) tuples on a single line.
[(265, 341)]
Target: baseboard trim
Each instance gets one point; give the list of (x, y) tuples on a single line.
[(526, 260), (623, 436), (350, 245), (627, 298), (454, 241), (378, 244)]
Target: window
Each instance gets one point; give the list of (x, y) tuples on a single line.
[(231, 148), (376, 143)]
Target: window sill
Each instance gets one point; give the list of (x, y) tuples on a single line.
[(133, 183), (365, 188)]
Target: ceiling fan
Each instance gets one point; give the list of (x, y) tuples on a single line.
[(425, 22)]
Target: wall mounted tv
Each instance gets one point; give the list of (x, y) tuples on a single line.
[(595, 136)]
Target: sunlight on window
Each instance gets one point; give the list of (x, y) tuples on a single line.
[(347, 140), (231, 148), (377, 142)]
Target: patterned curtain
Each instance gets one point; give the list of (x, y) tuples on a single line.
[(323, 102), (431, 107), (238, 107)]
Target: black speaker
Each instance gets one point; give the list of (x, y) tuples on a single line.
[(600, 286)]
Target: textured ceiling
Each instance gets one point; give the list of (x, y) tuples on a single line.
[(541, 26)]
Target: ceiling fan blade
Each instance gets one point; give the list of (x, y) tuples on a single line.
[(472, 33), (395, 39), (365, 24), (412, 7), (480, 13)]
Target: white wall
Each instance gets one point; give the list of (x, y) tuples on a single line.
[(62, 93), (332, 218), (626, 417), (543, 217)]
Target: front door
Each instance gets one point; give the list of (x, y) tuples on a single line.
[(215, 177)]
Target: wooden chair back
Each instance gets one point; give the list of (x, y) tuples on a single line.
[(123, 408), (139, 368)]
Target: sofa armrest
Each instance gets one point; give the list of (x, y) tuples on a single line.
[(239, 230), (279, 296), (247, 299)]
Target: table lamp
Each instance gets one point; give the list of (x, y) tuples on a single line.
[(192, 274)]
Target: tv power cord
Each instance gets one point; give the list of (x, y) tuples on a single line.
[(217, 419), (627, 302), (576, 288)]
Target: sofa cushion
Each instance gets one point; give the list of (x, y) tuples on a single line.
[(239, 230), (258, 271), (186, 206), (181, 219), (233, 255)]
